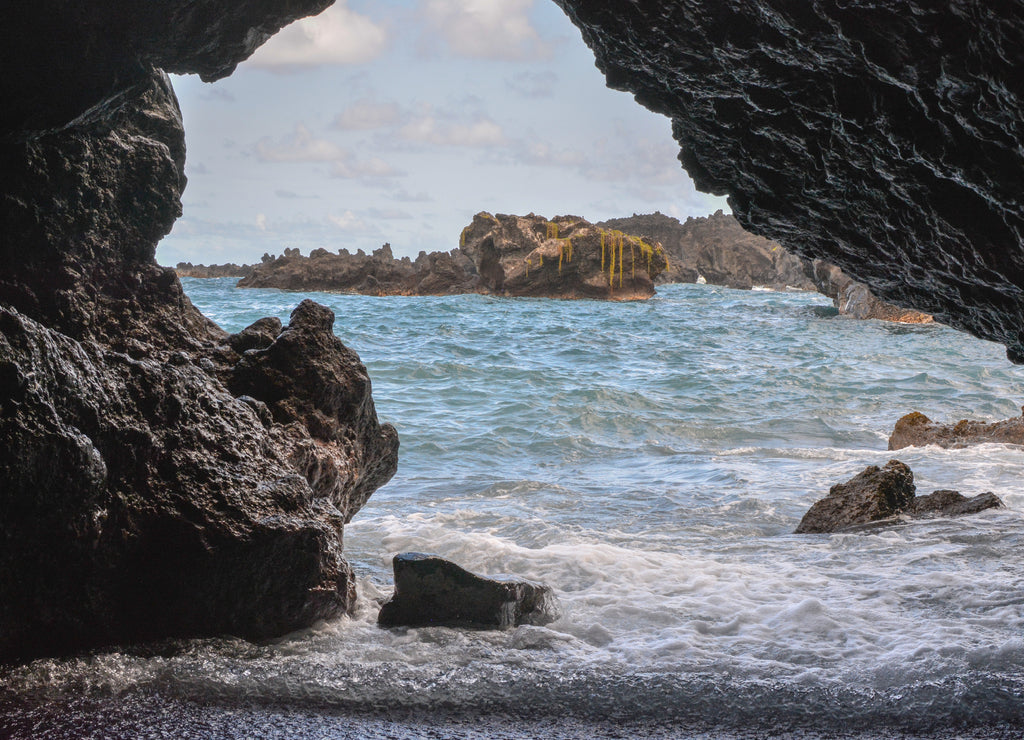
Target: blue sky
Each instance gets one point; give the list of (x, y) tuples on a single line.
[(397, 120)]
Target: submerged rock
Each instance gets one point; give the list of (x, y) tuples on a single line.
[(879, 496), (917, 430), (430, 590)]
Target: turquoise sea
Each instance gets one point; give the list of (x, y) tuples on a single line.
[(649, 460)]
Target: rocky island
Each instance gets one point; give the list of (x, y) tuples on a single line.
[(503, 255)]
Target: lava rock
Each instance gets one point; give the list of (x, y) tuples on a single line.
[(258, 335), (563, 258), (718, 249), (430, 590), (878, 497), (856, 299), (141, 499), (379, 273), (874, 493), (917, 430), (952, 503), (78, 63), (883, 138)]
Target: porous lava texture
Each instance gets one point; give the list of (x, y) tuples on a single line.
[(883, 137), (157, 476)]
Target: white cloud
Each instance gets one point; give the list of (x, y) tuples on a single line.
[(303, 146), (364, 115), (349, 221), (486, 29), (427, 129), (261, 221), (338, 36)]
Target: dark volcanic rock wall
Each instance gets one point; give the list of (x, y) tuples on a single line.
[(154, 480), (882, 137)]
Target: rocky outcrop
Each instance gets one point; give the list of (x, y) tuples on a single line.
[(154, 481), (878, 496), (430, 590), (917, 430), (379, 273), (718, 249), (856, 299), (567, 257), (498, 255), (228, 269), (883, 138)]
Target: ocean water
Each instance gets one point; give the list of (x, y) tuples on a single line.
[(649, 461)]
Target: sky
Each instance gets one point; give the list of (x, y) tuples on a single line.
[(397, 120)]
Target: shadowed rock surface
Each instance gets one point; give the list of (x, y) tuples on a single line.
[(430, 590), (878, 496), (153, 481), (881, 137), (917, 430)]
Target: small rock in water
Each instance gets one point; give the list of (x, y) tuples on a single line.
[(878, 496), (917, 430), (430, 590)]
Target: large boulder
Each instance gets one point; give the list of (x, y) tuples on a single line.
[(881, 496), (882, 137), (917, 430), (430, 590)]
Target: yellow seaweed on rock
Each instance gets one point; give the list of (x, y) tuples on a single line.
[(552, 230)]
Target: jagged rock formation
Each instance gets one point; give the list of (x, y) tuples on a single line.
[(718, 249), (153, 480), (917, 430), (430, 590), (563, 258), (879, 496), (881, 137), (379, 273), (499, 255), (229, 269)]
